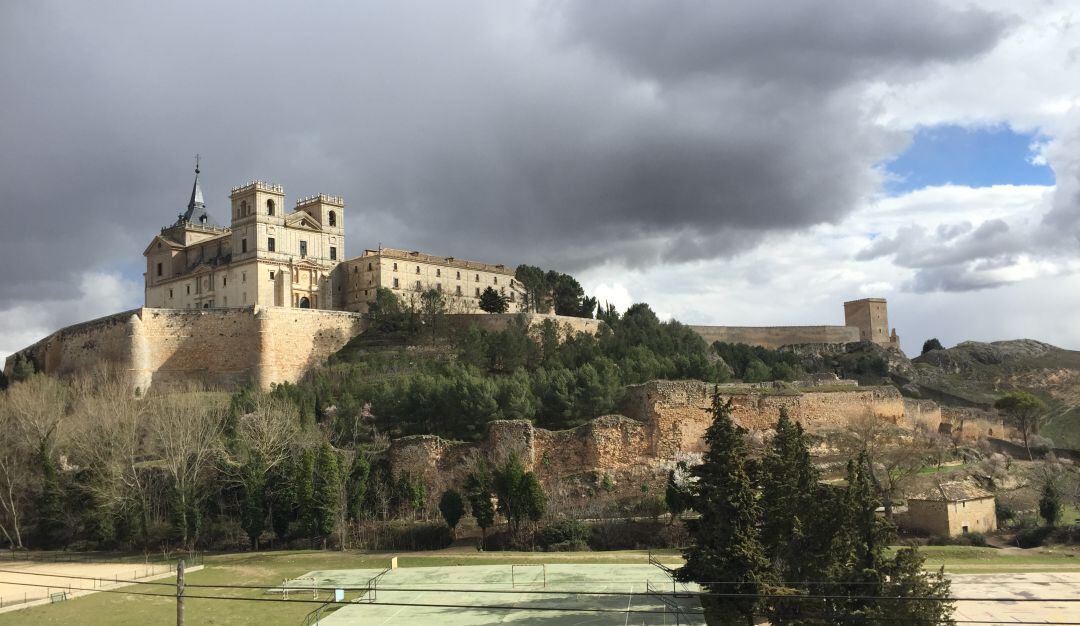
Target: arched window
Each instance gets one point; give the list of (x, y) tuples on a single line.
[(269, 206), (333, 218), (305, 303)]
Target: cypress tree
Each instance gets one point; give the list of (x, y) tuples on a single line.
[(305, 492), (326, 492), (725, 541), (357, 485)]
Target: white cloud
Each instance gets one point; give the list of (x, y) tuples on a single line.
[(99, 293)]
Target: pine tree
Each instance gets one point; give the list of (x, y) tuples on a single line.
[(1050, 504), (725, 541), (282, 483), (50, 528), (492, 301)]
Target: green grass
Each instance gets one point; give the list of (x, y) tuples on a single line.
[(270, 568)]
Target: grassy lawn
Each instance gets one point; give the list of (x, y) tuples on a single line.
[(270, 568)]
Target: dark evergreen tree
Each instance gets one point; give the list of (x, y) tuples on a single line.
[(789, 490), (50, 528), (1050, 504), (492, 301), (931, 344), (676, 494), (725, 542), (534, 503), (282, 483), (357, 485), (326, 498), (452, 508), (478, 488), (253, 505), (305, 493)]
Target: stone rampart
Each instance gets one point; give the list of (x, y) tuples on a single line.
[(215, 347), (499, 321), (777, 336)]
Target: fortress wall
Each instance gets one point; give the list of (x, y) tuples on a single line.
[(82, 347), (922, 414), (296, 340), (499, 321), (215, 347), (776, 336)]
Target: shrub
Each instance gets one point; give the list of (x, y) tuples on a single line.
[(1005, 513), (1033, 537), (562, 533), (970, 539)]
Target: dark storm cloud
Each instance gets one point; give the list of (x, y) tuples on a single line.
[(560, 134)]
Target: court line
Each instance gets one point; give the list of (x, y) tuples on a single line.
[(400, 609), (629, 602)]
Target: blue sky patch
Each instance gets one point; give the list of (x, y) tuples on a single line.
[(976, 157)]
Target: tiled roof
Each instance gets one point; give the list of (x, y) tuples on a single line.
[(954, 492)]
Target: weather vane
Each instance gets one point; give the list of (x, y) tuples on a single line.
[(196, 163)]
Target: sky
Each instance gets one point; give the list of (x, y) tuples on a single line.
[(741, 163)]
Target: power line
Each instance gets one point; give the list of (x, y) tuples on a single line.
[(481, 606)]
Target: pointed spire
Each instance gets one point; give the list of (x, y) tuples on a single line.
[(196, 208), (196, 191)]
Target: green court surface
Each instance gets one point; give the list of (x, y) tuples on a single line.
[(521, 594)]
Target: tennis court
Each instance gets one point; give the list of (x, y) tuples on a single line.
[(525, 594)]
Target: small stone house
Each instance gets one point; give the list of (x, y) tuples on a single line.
[(954, 508)]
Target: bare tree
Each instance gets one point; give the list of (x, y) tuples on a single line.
[(895, 454), (185, 432), (15, 476), (268, 431), (38, 406), (109, 438)]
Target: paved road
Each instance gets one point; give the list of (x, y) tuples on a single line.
[(1020, 586)]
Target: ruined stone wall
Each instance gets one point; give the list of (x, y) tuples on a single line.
[(969, 424), (678, 412), (499, 321), (215, 347), (664, 421), (776, 336)]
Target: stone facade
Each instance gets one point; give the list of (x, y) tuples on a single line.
[(871, 317), (410, 273), (952, 509)]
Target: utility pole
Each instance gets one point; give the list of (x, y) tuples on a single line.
[(180, 593)]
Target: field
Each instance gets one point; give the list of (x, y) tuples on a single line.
[(269, 569)]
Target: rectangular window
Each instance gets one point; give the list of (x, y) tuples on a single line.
[(477, 278), (333, 253), (395, 267), (170, 294), (271, 274), (243, 246), (417, 269), (188, 289), (303, 248), (496, 278), (438, 272), (369, 267), (224, 281), (457, 290), (271, 245), (396, 283), (418, 285), (159, 269), (243, 277), (459, 275), (477, 292)]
